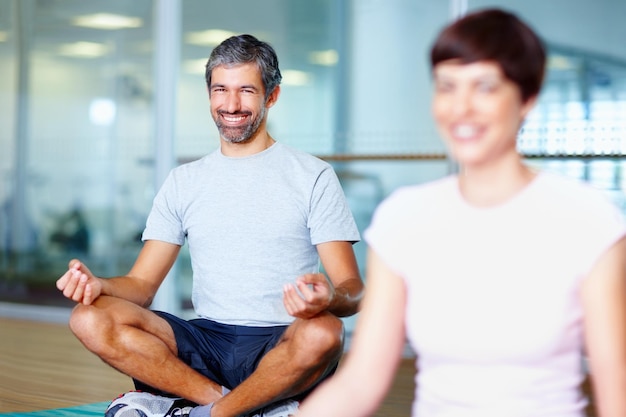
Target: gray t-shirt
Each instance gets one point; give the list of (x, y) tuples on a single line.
[(252, 224)]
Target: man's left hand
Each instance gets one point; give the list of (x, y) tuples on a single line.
[(310, 295)]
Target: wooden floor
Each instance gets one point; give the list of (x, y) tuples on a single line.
[(43, 366)]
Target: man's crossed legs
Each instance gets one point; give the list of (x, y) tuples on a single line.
[(201, 360)]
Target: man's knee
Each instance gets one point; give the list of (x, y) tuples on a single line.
[(319, 339), (83, 320), (92, 326)]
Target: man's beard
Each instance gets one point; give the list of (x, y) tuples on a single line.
[(239, 134)]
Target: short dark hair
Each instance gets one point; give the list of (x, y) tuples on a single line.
[(499, 36), (245, 49)]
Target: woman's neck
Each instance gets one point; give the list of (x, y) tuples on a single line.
[(495, 184)]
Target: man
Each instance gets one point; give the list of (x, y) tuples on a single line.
[(258, 217)]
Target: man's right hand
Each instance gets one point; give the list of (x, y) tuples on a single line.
[(79, 284)]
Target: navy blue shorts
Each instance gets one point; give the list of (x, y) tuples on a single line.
[(226, 354)]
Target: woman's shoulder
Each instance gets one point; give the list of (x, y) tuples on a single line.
[(426, 191), (572, 191), (420, 199)]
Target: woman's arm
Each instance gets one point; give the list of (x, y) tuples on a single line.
[(362, 381), (604, 303)]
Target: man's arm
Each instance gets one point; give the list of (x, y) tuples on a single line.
[(341, 267), (138, 286), (340, 293)]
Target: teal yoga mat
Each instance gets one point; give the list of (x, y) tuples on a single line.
[(84, 410)]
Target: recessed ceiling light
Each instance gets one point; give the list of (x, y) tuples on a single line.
[(107, 21), (560, 62), (296, 78), (327, 58), (83, 49), (211, 37), (194, 66)]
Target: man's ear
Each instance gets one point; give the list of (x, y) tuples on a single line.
[(273, 97)]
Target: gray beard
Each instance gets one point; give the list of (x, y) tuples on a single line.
[(240, 134)]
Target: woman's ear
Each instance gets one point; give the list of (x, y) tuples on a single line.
[(528, 105)]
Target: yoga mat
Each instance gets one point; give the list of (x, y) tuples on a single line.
[(84, 410)]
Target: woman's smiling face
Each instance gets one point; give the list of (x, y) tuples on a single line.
[(478, 111)]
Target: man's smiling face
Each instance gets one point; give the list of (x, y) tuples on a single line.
[(238, 103)]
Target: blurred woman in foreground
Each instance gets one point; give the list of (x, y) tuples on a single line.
[(501, 277)]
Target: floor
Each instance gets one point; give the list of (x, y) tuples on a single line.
[(43, 366)]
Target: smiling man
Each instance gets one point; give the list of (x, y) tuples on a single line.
[(258, 217), (229, 103)]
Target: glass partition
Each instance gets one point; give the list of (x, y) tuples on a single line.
[(578, 127), (77, 181), (78, 91)]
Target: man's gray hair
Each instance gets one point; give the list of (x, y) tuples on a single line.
[(246, 49)]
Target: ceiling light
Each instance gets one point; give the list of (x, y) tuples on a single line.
[(3, 36), (327, 58), (560, 62), (83, 49), (296, 78), (107, 21), (211, 37), (194, 66)]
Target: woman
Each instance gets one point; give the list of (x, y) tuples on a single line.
[(501, 277)]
